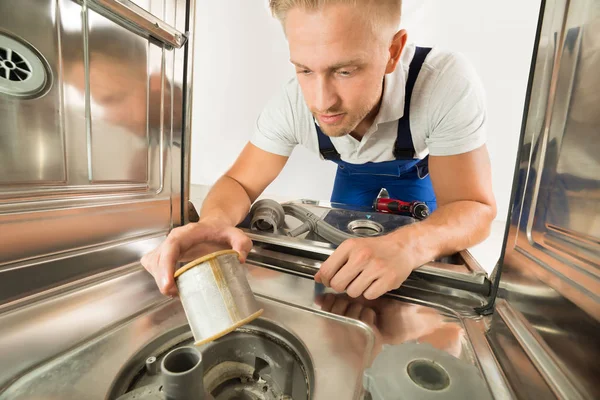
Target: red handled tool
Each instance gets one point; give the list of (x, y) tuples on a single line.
[(415, 209)]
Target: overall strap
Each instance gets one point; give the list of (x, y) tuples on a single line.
[(326, 147), (404, 149)]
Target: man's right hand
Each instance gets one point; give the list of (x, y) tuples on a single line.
[(189, 242)]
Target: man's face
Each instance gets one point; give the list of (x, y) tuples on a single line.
[(340, 63), (120, 92)]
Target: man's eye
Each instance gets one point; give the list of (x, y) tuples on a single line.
[(303, 71), (345, 73)]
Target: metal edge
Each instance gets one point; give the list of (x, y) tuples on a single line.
[(69, 287), (545, 133), (471, 263), (539, 353), (133, 17), (476, 281), (486, 360), (187, 110), (90, 262), (78, 251), (496, 274)]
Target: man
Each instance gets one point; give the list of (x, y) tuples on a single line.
[(390, 115)]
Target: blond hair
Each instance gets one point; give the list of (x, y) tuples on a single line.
[(386, 12)]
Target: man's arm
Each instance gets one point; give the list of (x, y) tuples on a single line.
[(226, 205), (467, 207), (229, 200), (373, 266)]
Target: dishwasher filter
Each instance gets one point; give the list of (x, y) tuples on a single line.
[(23, 72)]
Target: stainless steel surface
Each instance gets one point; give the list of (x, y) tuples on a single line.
[(394, 320), (545, 330), (460, 278), (95, 161), (101, 349), (535, 348), (36, 153), (215, 295), (41, 331), (555, 224), (138, 19), (35, 280), (486, 359), (119, 142)]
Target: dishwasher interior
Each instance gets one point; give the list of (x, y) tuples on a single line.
[(96, 103)]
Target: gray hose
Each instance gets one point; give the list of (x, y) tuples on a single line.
[(317, 225), (305, 227), (267, 216)]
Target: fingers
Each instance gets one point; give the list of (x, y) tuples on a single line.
[(318, 278), (368, 316), (377, 289), (326, 301), (166, 268), (333, 264), (162, 261), (151, 263), (354, 310), (346, 275), (361, 283), (340, 305), (239, 242)]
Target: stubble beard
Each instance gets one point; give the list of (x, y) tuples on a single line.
[(347, 126)]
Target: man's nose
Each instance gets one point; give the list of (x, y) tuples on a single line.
[(325, 95)]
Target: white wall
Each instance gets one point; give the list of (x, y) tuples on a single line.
[(241, 60)]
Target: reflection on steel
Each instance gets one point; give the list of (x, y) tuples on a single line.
[(537, 352), (547, 324), (63, 193), (497, 381)]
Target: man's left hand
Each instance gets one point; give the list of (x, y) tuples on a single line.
[(367, 266)]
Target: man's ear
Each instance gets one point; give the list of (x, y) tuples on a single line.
[(395, 50)]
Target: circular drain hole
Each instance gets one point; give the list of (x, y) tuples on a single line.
[(260, 361), (23, 72), (246, 365), (428, 375), (365, 227)]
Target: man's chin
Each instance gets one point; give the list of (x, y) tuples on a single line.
[(334, 131)]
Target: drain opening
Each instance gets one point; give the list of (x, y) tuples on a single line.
[(428, 375), (12, 66), (23, 72), (365, 227)]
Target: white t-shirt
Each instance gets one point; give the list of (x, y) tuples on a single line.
[(447, 114)]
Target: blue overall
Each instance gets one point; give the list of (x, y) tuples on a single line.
[(405, 178)]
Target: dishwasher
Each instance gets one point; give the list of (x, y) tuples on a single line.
[(95, 132)]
